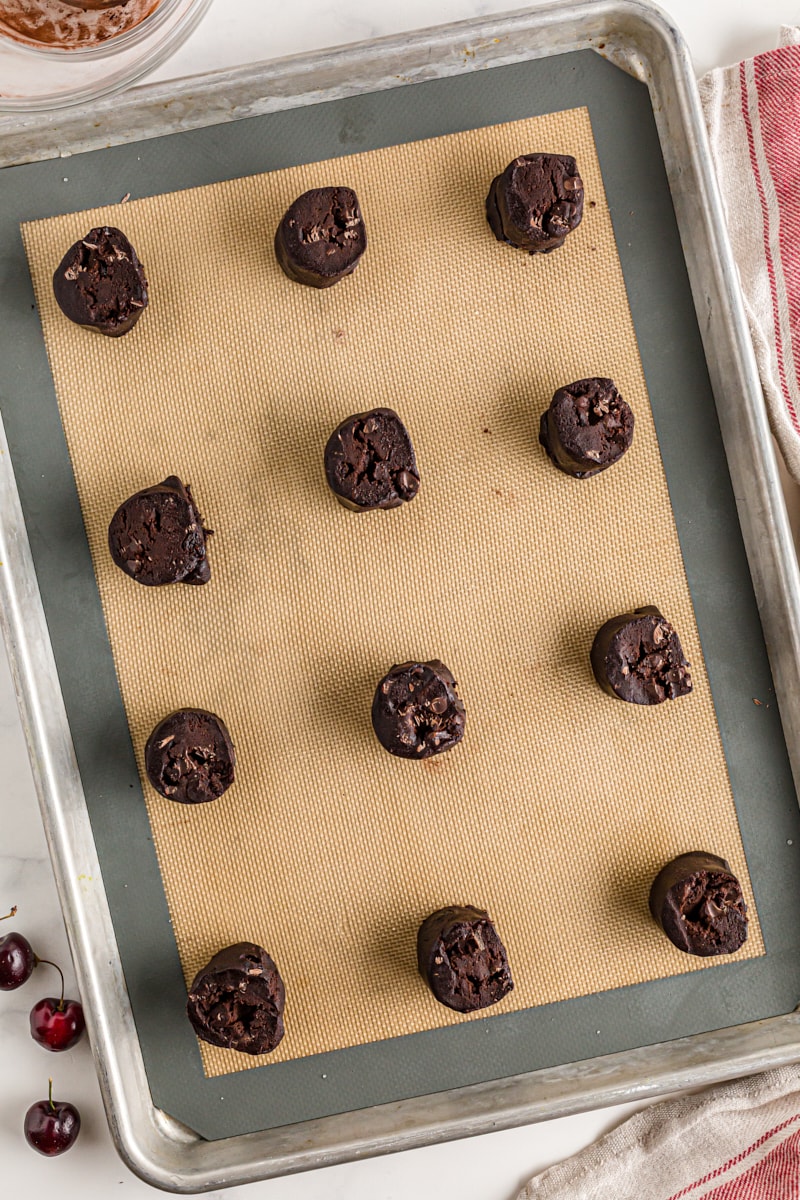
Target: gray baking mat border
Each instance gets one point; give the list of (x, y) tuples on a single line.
[(705, 511)]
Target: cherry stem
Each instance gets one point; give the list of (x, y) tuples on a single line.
[(47, 963), (50, 1097), (13, 913)]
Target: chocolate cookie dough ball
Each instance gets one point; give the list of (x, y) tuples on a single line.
[(536, 202), (461, 958), (237, 1001), (416, 712), (638, 657), (699, 905), (189, 757), (100, 283), (157, 536), (321, 237), (587, 428), (370, 461)]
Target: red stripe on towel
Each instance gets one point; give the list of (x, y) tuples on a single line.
[(767, 83), (740, 1158), (777, 79), (775, 1177)]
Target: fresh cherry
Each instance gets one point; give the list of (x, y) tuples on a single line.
[(57, 1024), (51, 1126), (17, 959)]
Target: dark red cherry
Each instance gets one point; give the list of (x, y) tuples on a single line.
[(51, 1126), (57, 1024), (17, 959)]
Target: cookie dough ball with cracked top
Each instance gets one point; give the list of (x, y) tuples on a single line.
[(536, 202), (321, 237), (237, 1001), (417, 712), (638, 657), (698, 903), (101, 284), (587, 428), (370, 462), (157, 537), (462, 959), (189, 757)]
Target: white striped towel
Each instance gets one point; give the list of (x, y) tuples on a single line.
[(740, 1141), (753, 115)]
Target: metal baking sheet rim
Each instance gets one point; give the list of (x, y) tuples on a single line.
[(639, 37)]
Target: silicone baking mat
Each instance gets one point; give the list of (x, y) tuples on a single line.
[(503, 568), (560, 804)]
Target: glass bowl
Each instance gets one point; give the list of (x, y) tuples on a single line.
[(35, 77)]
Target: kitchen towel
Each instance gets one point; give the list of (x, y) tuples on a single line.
[(752, 111), (738, 1141)]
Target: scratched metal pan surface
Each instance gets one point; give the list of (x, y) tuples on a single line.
[(480, 70)]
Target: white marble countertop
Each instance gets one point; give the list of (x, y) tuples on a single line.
[(491, 1167)]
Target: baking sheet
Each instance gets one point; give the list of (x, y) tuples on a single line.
[(689, 488)]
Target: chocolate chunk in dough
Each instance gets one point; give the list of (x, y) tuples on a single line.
[(100, 283), (637, 657), (189, 757), (587, 428), (157, 536), (370, 461), (237, 1001), (699, 905), (462, 959), (416, 712), (321, 237), (536, 202)]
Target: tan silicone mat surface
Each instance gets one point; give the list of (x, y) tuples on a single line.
[(560, 804)]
